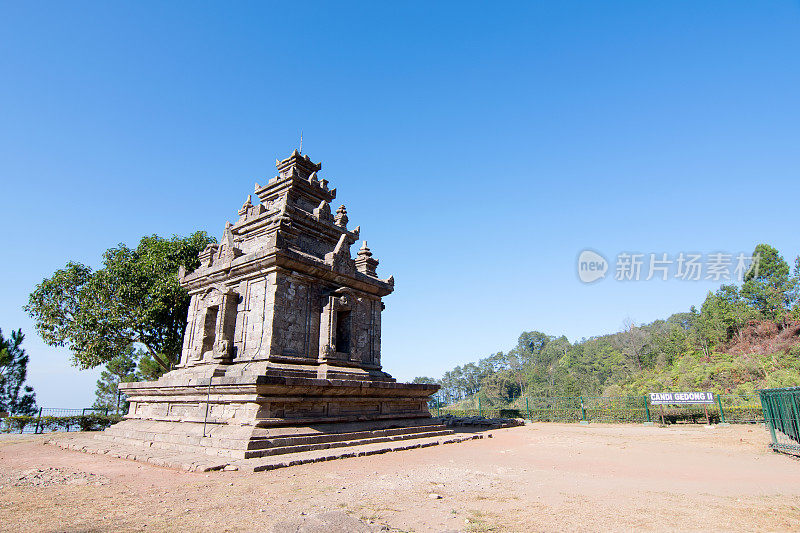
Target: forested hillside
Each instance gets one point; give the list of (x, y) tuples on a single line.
[(743, 337)]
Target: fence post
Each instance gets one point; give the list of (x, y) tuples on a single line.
[(722, 420), (647, 410), (768, 407), (528, 408), (795, 416), (583, 412), (38, 420), (480, 410)]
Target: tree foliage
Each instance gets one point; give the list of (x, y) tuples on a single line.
[(723, 313), (769, 288), (121, 369), (15, 397), (135, 298)]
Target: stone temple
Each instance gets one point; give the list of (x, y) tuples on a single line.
[(282, 351)]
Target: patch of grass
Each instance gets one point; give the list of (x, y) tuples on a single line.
[(370, 517), (478, 523), (375, 514), (480, 497)]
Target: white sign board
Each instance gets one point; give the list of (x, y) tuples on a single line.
[(680, 398)]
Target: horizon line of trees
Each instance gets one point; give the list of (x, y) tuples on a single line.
[(664, 354)]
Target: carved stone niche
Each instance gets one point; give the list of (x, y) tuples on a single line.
[(337, 331), (217, 324)]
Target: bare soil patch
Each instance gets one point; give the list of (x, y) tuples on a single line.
[(540, 477), (45, 477)]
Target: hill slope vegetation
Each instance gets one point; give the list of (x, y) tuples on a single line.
[(742, 338)]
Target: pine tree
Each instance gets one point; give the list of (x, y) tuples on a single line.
[(769, 288), (15, 397), (122, 368)]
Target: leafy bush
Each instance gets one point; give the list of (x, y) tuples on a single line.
[(67, 422), (104, 421), (14, 423), (93, 422), (49, 423), (53, 423)]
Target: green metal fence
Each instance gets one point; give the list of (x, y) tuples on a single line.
[(782, 416), (616, 409), (59, 419)]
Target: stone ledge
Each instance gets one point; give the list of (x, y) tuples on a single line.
[(293, 383), (283, 461)]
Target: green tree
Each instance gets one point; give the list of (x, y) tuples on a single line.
[(148, 369), (794, 313), (424, 380), (669, 338), (632, 341), (543, 374), (722, 314), (767, 287), (120, 369), (471, 377), (135, 298), (500, 385), (451, 390), (533, 342), (15, 397)]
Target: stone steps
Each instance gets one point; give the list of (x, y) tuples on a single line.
[(192, 462), (293, 459), (159, 437), (259, 442), (324, 445), (200, 462), (330, 436), (165, 446)]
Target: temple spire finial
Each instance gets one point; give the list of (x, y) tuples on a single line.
[(297, 165), (341, 216), (365, 263)]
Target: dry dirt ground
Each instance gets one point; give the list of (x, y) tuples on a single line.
[(540, 477)]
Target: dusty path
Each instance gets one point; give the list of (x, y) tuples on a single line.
[(541, 477)]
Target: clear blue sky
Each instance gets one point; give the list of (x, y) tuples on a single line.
[(480, 146)]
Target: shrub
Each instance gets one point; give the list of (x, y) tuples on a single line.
[(96, 422), (49, 423), (14, 423), (67, 422), (89, 422)]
